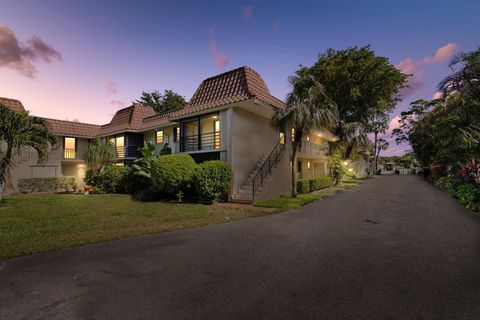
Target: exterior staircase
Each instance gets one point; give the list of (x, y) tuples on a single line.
[(259, 175)]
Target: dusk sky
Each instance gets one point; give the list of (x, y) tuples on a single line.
[(85, 60)]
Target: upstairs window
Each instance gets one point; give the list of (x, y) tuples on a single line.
[(69, 145), (159, 138)]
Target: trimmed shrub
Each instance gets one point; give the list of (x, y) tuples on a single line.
[(113, 179), (303, 186), (320, 183), (212, 180), (337, 170), (172, 174), (49, 184)]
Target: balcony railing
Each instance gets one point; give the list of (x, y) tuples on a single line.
[(206, 141), (69, 153), (312, 148)]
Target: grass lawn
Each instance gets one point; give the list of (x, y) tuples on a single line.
[(287, 203), (38, 223)]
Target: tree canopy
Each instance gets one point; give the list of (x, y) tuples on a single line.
[(365, 88), (167, 101), (362, 84)]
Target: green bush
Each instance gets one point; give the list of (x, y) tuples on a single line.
[(337, 169), (172, 174), (49, 184), (320, 183), (469, 195), (212, 180), (303, 186), (113, 179)]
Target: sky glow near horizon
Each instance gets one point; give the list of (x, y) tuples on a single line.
[(85, 60)]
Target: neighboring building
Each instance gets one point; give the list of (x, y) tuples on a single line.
[(228, 119)]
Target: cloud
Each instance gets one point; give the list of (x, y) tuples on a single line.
[(111, 87), (117, 104), (276, 27), (437, 95), (221, 58), (442, 54), (247, 13), (416, 70), (21, 56)]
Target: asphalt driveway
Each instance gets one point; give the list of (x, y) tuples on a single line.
[(393, 248)]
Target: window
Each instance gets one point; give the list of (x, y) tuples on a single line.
[(176, 134), (159, 137), (69, 146), (119, 144), (217, 134)]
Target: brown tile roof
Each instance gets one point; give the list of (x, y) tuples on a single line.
[(158, 120), (74, 129), (127, 119), (13, 104), (232, 86)]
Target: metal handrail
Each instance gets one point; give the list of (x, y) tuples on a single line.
[(272, 160)]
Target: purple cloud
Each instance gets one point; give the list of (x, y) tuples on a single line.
[(221, 58), (111, 87), (21, 56), (247, 13), (415, 68)]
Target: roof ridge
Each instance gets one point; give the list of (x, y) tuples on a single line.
[(68, 121)]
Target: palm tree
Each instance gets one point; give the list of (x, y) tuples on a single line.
[(19, 130), (465, 78), (308, 108), (98, 154)]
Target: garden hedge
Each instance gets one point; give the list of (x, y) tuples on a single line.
[(310, 185), (48, 184)]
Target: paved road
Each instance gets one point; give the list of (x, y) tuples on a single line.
[(393, 248)]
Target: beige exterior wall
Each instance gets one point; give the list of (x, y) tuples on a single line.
[(25, 164), (150, 136), (252, 137)]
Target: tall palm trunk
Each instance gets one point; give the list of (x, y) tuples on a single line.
[(4, 168), (375, 153), (295, 146)]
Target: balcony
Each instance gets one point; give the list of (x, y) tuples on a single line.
[(308, 147), (206, 141)]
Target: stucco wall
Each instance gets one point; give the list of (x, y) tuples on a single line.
[(279, 183), (167, 136), (25, 164), (251, 138)]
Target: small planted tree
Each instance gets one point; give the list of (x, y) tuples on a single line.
[(98, 154), (337, 169), (19, 130)]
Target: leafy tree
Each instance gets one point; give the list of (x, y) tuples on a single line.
[(307, 109), (382, 144), (337, 169), (98, 154), (19, 130), (167, 101), (378, 124), (364, 86)]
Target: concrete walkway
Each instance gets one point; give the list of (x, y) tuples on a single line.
[(393, 248)]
